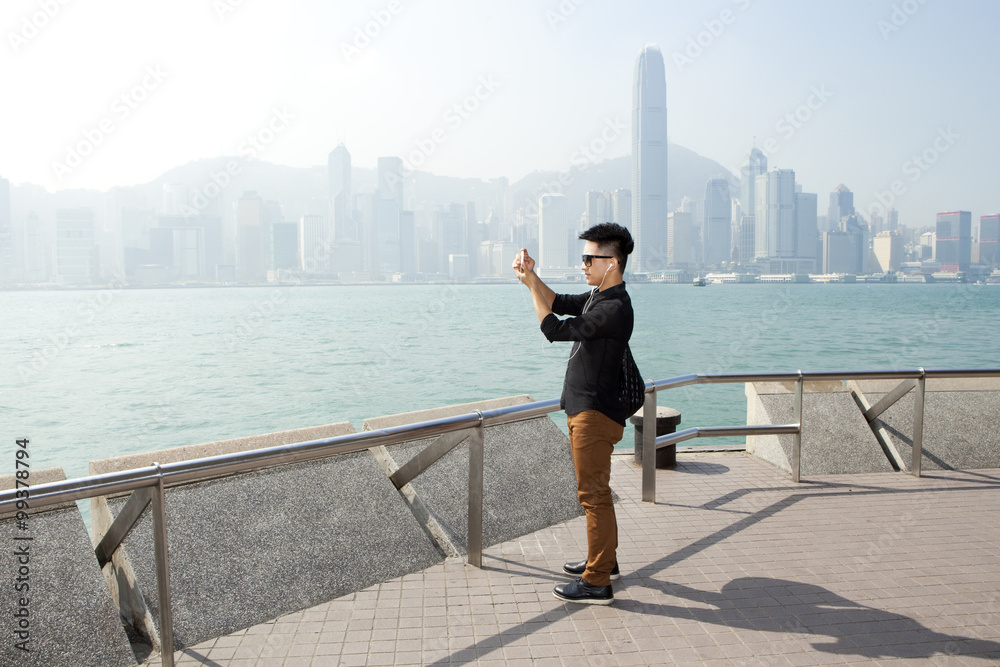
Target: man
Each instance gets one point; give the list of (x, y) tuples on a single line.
[(600, 325)]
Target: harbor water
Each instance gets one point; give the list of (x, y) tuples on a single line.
[(91, 374)]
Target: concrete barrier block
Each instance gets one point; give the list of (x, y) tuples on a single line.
[(71, 619), (835, 436), (247, 548), (961, 424), (529, 481)]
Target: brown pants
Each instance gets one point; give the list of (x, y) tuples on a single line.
[(592, 437)]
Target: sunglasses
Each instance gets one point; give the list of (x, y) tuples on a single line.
[(588, 259)]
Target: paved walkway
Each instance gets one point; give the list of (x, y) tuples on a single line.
[(734, 565)]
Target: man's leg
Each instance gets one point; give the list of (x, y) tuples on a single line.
[(592, 438)]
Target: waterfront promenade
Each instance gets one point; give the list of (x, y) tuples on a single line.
[(734, 565)]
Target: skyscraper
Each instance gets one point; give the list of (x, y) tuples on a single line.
[(338, 169), (621, 206), (598, 208), (75, 260), (806, 230), (774, 215), (689, 205), (343, 252), (839, 253), (313, 244), (553, 233), (745, 239), (954, 241), (452, 230), (189, 247), (251, 238), (680, 249), (390, 204), (892, 220), (888, 250), (988, 236), (718, 221), (859, 234), (746, 232), (37, 251), (755, 166), (649, 160), (841, 206), (283, 251)]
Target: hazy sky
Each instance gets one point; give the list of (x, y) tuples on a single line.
[(846, 92)]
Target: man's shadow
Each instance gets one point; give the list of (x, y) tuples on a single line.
[(761, 603)]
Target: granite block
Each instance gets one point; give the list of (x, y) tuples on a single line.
[(247, 548), (528, 481), (836, 438), (961, 429), (71, 617)]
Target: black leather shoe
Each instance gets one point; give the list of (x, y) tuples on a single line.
[(577, 569), (581, 591)]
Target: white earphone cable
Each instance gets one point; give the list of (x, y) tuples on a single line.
[(597, 289)]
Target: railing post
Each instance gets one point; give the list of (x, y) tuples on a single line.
[(918, 425), (163, 572), (649, 445), (474, 536), (797, 438)]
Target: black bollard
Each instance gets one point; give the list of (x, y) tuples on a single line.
[(667, 420)]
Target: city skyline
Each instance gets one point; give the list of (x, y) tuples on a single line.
[(865, 94), (158, 237)]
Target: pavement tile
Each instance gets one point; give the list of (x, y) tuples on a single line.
[(734, 565)]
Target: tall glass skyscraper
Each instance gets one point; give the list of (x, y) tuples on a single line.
[(718, 222), (755, 166), (774, 214), (746, 234), (339, 175), (649, 160)]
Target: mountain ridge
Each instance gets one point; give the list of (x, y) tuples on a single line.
[(215, 184)]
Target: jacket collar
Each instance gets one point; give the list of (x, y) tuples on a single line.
[(611, 291)]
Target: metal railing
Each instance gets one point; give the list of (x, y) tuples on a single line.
[(911, 379), (148, 484)]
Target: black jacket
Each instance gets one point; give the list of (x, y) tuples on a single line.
[(600, 336)]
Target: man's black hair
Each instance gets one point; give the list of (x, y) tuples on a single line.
[(614, 238)]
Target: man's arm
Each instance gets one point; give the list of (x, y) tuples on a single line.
[(541, 294), (604, 320)]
